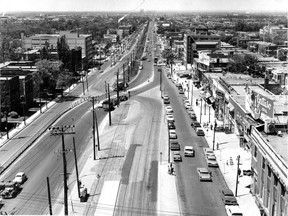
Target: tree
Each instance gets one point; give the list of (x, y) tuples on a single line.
[(46, 76), (169, 56), (63, 51), (240, 63), (282, 55)]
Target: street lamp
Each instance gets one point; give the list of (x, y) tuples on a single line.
[(215, 125)]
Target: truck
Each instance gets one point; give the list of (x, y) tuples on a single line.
[(11, 190)]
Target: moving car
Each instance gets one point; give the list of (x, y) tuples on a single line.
[(189, 151), (227, 197), (20, 178), (233, 210), (101, 71), (195, 124), (170, 118), (200, 132), (174, 146), (172, 134), (204, 174), (177, 156)]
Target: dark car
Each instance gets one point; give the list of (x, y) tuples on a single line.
[(171, 126), (192, 115), (200, 131), (195, 124), (174, 146), (181, 91), (227, 197)]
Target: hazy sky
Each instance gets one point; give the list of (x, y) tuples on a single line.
[(136, 5)]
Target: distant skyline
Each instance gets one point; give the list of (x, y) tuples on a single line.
[(146, 5)]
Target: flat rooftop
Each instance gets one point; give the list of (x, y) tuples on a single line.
[(278, 143)]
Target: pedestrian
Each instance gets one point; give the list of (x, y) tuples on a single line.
[(129, 94), (239, 172), (172, 170), (211, 126)]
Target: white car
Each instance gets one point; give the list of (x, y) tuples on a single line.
[(208, 151), (170, 118), (169, 109), (233, 210), (20, 178), (211, 161), (187, 106), (189, 151), (172, 134), (204, 174)]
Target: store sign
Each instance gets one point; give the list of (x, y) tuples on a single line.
[(260, 104), (204, 59)]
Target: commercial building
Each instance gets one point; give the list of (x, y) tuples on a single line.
[(74, 40), (245, 107)]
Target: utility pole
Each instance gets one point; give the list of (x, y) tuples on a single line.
[(106, 90), (117, 82), (49, 197), (238, 160), (192, 95), (76, 166), (63, 130), (93, 128), (87, 81), (201, 110), (124, 76), (95, 123), (215, 124), (109, 102)]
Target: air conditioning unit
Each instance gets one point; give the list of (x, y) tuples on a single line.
[(269, 127)]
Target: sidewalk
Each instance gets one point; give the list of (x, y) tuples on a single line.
[(227, 146)]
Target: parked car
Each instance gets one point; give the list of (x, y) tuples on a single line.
[(195, 124), (177, 156), (101, 71), (166, 100), (211, 161), (174, 145), (187, 106), (171, 125), (233, 210), (208, 151), (172, 134), (204, 174), (20, 178), (200, 132), (193, 116), (189, 151), (181, 91), (228, 197), (170, 118), (169, 109)]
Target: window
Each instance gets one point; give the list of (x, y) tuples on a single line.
[(269, 171), (255, 151), (263, 163)]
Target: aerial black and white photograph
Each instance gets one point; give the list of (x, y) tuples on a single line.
[(144, 107)]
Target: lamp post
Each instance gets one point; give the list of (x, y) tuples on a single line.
[(238, 173), (201, 110), (215, 125)]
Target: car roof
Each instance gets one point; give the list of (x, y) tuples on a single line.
[(203, 169), (234, 208), (188, 147), (227, 191), (174, 142)]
